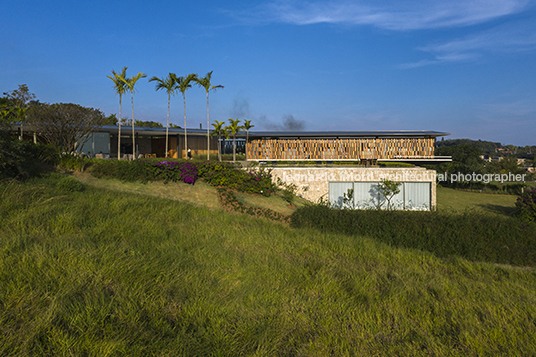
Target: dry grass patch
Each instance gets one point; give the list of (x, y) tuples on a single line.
[(275, 203), (200, 194)]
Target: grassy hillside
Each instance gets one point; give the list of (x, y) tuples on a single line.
[(449, 199), (106, 273)]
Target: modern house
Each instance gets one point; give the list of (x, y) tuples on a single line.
[(333, 182), (363, 153)]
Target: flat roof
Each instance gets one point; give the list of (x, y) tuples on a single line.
[(141, 130), (347, 134), (286, 134)]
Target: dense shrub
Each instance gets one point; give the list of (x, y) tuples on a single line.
[(214, 173), (232, 176), (22, 159), (137, 170), (394, 164), (75, 162), (526, 204), (70, 184), (509, 188), (184, 171), (472, 235)]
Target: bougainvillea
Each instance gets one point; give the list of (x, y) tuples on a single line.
[(176, 171), (526, 203), (219, 174)]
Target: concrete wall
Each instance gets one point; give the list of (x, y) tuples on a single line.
[(313, 182)]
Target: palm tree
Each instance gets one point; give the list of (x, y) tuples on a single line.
[(171, 87), (120, 88), (219, 130), (205, 83), (183, 84), (233, 128), (247, 126), (130, 83)]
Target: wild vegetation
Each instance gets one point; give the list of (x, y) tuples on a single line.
[(96, 267), (526, 204), (471, 235), (98, 272)]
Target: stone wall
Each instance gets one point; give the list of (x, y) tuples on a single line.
[(313, 182)]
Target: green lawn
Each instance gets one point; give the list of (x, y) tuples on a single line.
[(108, 273), (458, 201)]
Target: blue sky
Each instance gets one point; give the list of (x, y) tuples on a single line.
[(460, 66)]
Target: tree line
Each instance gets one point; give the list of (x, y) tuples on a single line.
[(66, 126)]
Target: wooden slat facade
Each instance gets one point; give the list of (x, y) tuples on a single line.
[(340, 149)]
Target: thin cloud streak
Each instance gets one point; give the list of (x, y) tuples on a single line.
[(501, 39), (391, 15)]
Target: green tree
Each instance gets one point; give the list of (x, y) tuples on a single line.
[(233, 128), (465, 159), (247, 126), (20, 99), (170, 86), (389, 189), (147, 124), (130, 83), (184, 83), (205, 83), (5, 111), (218, 131), (111, 120), (65, 125), (119, 80), (505, 166)]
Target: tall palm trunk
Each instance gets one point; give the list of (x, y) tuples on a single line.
[(185, 134), (234, 148), (219, 148), (246, 145), (133, 132), (208, 133), (119, 133), (167, 126)]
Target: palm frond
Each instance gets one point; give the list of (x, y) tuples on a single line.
[(131, 82), (119, 81)]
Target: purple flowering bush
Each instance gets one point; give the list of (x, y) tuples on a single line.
[(219, 174), (174, 171), (526, 204)]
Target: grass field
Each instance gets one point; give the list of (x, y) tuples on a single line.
[(205, 195), (449, 199), (109, 273)]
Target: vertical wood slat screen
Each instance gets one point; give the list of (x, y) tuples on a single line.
[(339, 149)]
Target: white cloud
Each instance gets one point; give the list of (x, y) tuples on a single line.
[(392, 15)]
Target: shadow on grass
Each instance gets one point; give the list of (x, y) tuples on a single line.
[(499, 209), (473, 235)]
